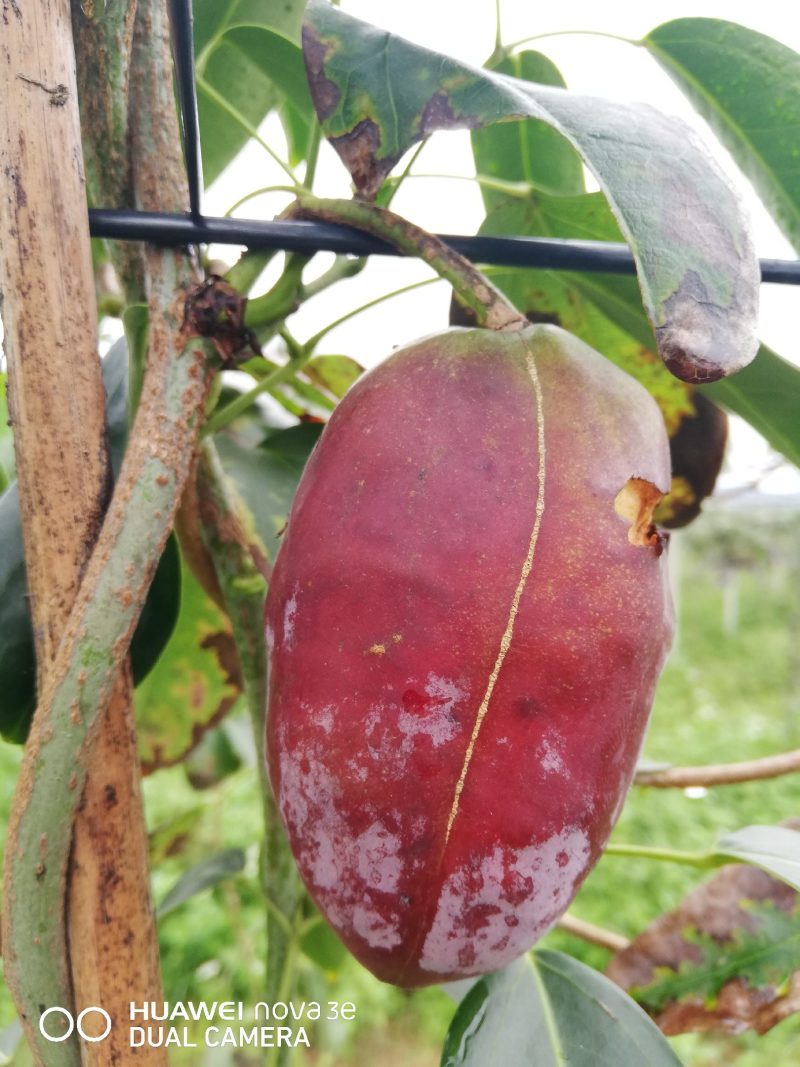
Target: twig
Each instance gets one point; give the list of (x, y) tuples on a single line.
[(594, 935), (721, 773)]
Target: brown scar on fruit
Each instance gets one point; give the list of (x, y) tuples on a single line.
[(378, 650), (635, 503)]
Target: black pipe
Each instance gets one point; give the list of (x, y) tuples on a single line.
[(310, 237), (180, 17)]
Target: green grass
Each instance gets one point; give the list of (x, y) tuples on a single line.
[(726, 694)]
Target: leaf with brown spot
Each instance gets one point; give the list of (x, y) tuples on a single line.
[(193, 686), (377, 95), (727, 959), (585, 306)]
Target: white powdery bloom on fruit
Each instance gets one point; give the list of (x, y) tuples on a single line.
[(377, 931), (351, 876), (493, 909), (325, 718), (289, 616), (550, 754), (438, 720), (377, 858)]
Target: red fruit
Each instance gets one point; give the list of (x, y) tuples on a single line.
[(466, 621)]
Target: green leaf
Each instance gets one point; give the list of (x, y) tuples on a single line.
[(722, 959), (334, 373), (323, 947), (212, 17), (159, 613), (202, 876), (550, 1010), (377, 94), (527, 150), (747, 87), (767, 395), (194, 684), (267, 476), (249, 54), (136, 323), (212, 760), (774, 849)]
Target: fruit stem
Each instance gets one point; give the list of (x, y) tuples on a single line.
[(490, 307)]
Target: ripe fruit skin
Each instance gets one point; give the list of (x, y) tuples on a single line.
[(428, 634)]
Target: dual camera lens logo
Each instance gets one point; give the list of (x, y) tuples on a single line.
[(46, 1029)]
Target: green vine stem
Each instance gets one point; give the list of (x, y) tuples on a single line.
[(224, 416), (248, 268), (342, 267), (312, 153), (388, 190), (103, 37), (491, 308), (282, 298), (228, 534), (94, 644), (509, 49)]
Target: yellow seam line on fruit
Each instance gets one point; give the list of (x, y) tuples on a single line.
[(505, 641)]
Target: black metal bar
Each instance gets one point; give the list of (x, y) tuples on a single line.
[(180, 17), (310, 237)]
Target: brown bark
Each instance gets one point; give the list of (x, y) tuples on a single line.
[(55, 386), (113, 945), (58, 416), (754, 770)]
